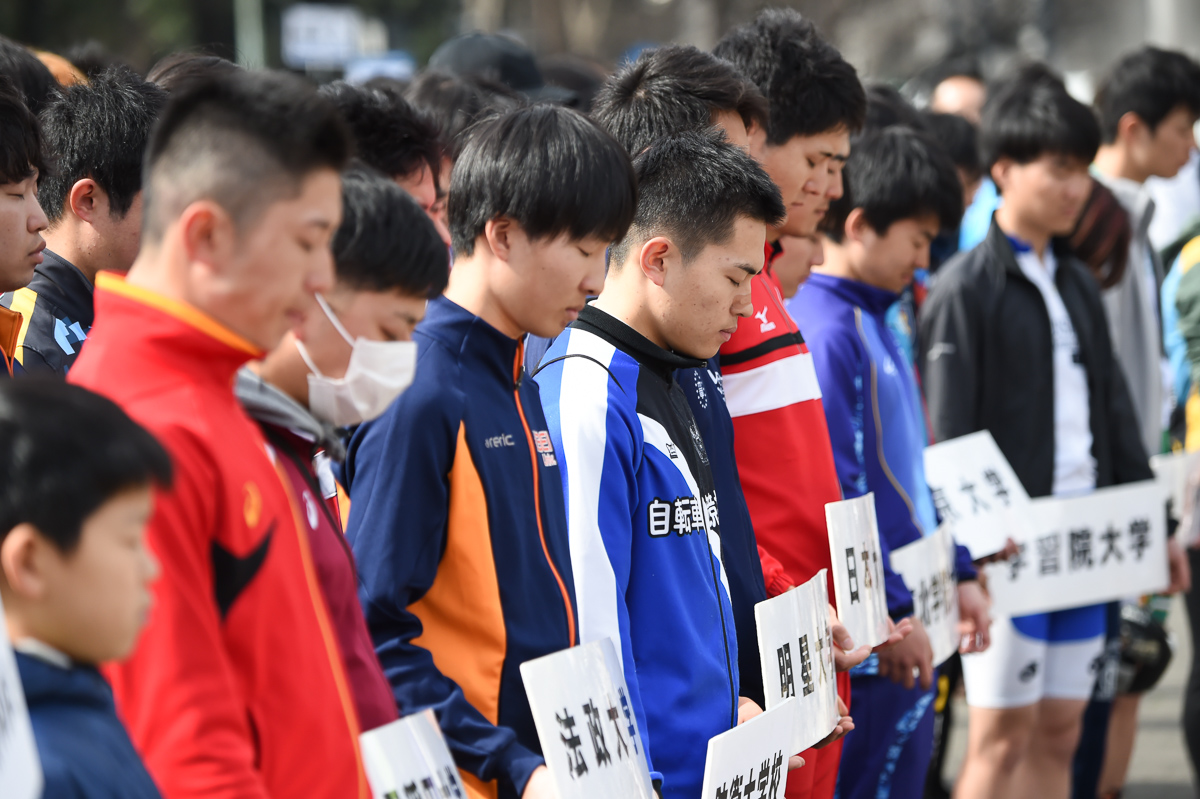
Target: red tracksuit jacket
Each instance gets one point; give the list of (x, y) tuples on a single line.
[(236, 688)]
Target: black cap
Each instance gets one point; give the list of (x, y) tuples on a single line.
[(501, 59)]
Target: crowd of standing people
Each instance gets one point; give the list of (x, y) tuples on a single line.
[(333, 404)]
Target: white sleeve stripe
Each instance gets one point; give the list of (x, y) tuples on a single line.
[(778, 384), (583, 413)]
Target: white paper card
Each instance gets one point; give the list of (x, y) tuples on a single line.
[(20, 768), (796, 650), (927, 567), (751, 759), (858, 569), (1086, 550), (1171, 472), (976, 491), (408, 757), (586, 724)]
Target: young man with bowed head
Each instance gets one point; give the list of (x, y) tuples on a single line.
[(21, 217), (644, 515), (343, 367), (901, 190), (1014, 340), (237, 687), (457, 517), (97, 133)]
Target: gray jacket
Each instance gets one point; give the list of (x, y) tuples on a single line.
[(1134, 317)]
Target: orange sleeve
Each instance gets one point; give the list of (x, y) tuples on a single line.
[(177, 693)]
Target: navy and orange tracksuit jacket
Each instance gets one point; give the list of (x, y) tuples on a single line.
[(236, 689), (458, 525)]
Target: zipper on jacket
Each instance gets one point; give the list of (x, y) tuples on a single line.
[(537, 495)]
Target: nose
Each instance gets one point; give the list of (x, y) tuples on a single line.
[(320, 278), (440, 224), (593, 279), (37, 217), (836, 187), (742, 304), (153, 569)]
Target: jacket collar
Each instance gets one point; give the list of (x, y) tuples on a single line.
[(267, 404), (76, 686), (1001, 246), (871, 299), (1134, 198), (658, 360), (74, 290), (178, 334), (10, 330), (467, 334)]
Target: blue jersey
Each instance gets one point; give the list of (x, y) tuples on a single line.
[(644, 529)]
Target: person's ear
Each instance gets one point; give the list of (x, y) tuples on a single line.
[(857, 229), (655, 258), (500, 234), (22, 554), (87, 200), (1131, 127), (209, 234), (1000, 172)]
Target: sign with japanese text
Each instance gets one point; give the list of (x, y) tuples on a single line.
[(750, 761), (1171, 471), (927, 567), (586, 724), (858, 569), (1085, 550), (408, 759), (20, 768), (976, 491), (796, 651)]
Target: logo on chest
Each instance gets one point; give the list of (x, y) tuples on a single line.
[(502, 440), (541, 441), (701, 391), (764, 326)]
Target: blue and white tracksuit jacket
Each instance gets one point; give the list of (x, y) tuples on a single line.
[(644, 530), (877, 427)]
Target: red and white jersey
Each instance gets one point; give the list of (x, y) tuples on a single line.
[(781, 440)]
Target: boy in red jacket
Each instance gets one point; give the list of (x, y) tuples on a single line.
[(236, 688)]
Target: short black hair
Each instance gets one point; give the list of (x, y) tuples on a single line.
[(456, 102), (1031, 115), (386, 241), (92, 58), (674, 89), (22, 149), (692, 187), (893, 174), (808, 85), (886, 106), (64, 452), (958, 137), (389, 134), (173, 71), (1150, 83), (99, 130), (550, 169), (243, 140), (577, 73), (31, 77)]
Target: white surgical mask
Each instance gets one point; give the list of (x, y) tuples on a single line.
[(379, 371)]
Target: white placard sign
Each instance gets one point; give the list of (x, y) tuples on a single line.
[(796, 651), (586, 725), (20, 768), (1171, 471), (976, 491), (1086, 550), (927, 567), (752, 758), (858, 569), (408, 757)]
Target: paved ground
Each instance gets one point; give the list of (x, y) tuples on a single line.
[(1160, 768)]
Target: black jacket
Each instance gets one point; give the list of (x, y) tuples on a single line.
[(58, 309), (986, 359)]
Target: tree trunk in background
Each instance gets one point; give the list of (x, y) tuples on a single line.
[(483, 15), (699, 22), (585, 23)]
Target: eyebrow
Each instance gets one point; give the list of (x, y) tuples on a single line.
[(748, 269), (835, 156)]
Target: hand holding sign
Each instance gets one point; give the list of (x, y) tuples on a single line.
[(586, 725), (927, 567), (857, 569), (752, 758), (796, 653)]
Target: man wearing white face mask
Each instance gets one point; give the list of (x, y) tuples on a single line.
[(338, 368)]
